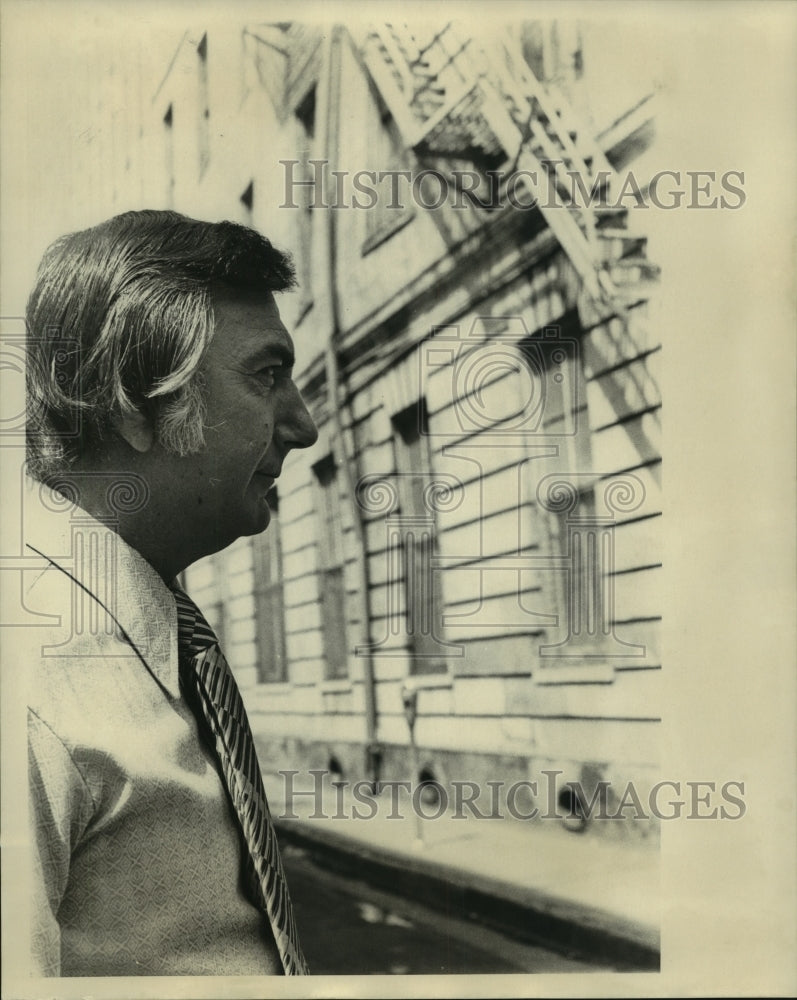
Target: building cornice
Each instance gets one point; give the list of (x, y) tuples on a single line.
[(513, 243)]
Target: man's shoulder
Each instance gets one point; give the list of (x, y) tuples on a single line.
[(98, 609), (75, 640), (80, 664)]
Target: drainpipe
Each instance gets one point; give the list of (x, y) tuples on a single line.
[(326, 231)]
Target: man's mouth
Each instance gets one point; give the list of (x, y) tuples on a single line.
[(266, 479), (271, 474)]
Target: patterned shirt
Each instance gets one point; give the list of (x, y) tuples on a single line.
[(137, 857)]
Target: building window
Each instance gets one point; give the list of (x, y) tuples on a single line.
[(555, 358), (168, 125), (247, 199), (204, 107), (269, 603), (330, 567), (553, 50), (215, 609), (422, 583), (392, 208), (305, 195)]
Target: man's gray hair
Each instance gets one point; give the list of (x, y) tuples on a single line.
[(119, 320)]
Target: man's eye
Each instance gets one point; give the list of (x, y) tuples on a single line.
[(269, 373)]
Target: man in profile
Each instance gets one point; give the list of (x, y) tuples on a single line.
[(161, 406)]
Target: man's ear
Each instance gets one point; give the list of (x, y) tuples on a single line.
[(136, 428)]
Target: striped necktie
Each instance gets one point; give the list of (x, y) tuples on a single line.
[(210, 686)]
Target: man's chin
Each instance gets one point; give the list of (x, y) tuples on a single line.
[(260, 517)]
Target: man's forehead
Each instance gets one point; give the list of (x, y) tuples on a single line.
[(247, 320), (231, 303)]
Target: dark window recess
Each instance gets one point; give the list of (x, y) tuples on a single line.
[(554, 355), (215, 611), (269, 600), (330, 566), (168, 124), (304, 194), (422, 583), (392, 208), (333, 615), (247, 200), (214, 615), (204, 106)]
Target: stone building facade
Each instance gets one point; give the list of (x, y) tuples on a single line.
[(476, 536)]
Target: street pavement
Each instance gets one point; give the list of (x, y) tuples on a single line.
[(349, 928), (593, 895)]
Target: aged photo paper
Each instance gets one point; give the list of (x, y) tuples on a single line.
[(678, 347)]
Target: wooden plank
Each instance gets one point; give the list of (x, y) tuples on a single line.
[(486, 580), (501, 655), (488, 536), (637, 595), (638, 543), (492, 617), (624, 391), (626, 445), (631, 696), (613, 342), (628, 742), (643, 633), (301, 564), (300, 619), (651, 503)]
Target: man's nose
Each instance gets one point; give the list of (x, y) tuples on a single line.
[(296, 428)]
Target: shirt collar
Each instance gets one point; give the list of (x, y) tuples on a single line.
[(112, 571)]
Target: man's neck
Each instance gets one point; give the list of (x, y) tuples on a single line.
[(123, 502)]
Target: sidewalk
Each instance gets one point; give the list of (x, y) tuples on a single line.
[(588, 894)]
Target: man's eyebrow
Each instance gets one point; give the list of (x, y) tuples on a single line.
[(273, 353)]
